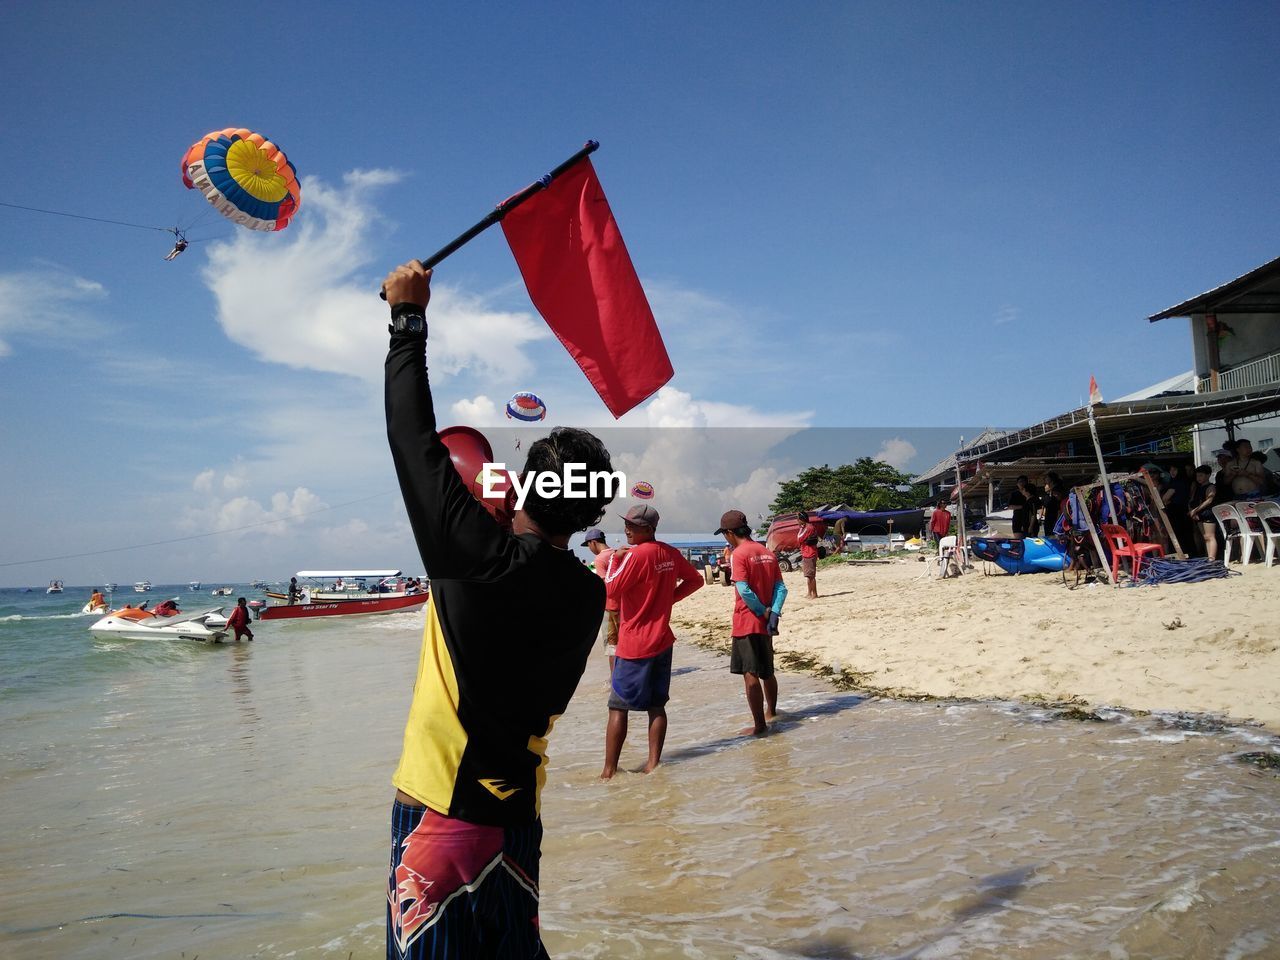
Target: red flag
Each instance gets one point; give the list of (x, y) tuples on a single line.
[(1095, 395), (580, 278)]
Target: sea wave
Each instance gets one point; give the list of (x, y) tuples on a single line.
[(49, 616)]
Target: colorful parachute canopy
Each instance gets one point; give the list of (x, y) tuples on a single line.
[(246, 177), (527, 407), (642, 490)]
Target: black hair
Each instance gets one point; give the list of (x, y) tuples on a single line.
[(744, 532), (1205, 469), (1258, 455), (560, 514)]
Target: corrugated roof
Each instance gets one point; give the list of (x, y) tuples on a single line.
[(1147, 418), (1257, 291), (947, 466), (1181, 383)]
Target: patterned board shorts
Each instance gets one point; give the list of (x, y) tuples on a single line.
[(461, 890)]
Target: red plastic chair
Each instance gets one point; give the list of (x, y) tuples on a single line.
[(1122, 545)]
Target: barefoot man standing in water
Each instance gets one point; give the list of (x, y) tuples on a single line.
[(512, 618), (756, 610), (647, 579)]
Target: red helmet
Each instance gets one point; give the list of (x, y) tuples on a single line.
[(470, 450)]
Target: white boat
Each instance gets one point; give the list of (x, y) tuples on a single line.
[(194, 584), (347, 594), (208, 625), (110, 587), (999, 523), (55, 586), (220, 592), (330, 585), (258, 584), (98, 608), (142, 586)]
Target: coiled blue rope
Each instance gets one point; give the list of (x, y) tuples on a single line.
[(1160, 570)]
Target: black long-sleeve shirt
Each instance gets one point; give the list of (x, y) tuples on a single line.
[(510, 623)]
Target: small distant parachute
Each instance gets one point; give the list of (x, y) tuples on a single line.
[(245, 177), (642, 490), (526, 407)]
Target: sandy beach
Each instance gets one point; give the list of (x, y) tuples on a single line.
[(893, 630)]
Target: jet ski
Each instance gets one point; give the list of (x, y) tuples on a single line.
[(132, 623)]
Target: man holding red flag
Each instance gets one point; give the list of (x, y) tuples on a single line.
[(498, 665)]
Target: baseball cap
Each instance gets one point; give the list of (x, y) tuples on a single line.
[(595, 533), (642, 514), (1225, 451), (732, 520)]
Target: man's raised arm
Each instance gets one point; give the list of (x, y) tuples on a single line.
[(455, 535)]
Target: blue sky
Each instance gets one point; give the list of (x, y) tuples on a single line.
[(845, 215)]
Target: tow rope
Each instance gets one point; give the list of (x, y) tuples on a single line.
[(1160, 570)]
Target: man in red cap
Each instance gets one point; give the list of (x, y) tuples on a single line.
[(647, 580), (499, 663), (756, 610)]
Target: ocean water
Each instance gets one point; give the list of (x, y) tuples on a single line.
[(177, 799)]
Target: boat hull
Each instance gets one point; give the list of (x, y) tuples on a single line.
[(344, 608), (120, 628)]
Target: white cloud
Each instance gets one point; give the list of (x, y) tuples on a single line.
[(304, 297), (477, 411), (203, 482), (896, 452), (1006, 314), (675, 408), (243, 516), (697, 474), (39, 301)]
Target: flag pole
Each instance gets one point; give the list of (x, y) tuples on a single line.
[(1102, 469), (505, 207)]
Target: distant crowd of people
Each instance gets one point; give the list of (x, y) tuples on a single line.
[(1187, 494)]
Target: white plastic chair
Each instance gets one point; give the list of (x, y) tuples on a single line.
[(948, 551), (1268, 512), (1235, 527)]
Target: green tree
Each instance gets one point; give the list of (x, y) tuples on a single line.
[(864, 485)]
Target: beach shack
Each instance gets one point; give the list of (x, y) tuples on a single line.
[(1235, 350)]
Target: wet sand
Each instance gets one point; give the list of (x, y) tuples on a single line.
[(1205, 648)]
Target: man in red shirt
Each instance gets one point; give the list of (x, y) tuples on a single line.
[(599, 547), (756, 610), (646, 580), (808, 536), (239, 620), (940, 521)]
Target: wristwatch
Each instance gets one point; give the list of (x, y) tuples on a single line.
[(412, 323)]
